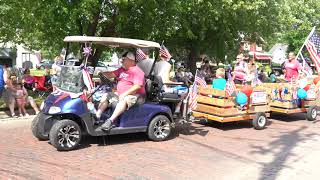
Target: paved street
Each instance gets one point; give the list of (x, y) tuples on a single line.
[(287, 149)]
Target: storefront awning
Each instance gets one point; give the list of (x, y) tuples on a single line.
[(261, 56)]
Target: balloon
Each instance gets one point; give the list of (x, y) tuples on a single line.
[(316, 80), (303, 83), (241, 98), (247, 90), (307, 87), (302, 93)]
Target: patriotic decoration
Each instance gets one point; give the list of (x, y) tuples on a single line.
[(140, 55), (305, 66), (198, 79), (230, 86), (193, 96), (87, 79), (164, 53), (255, 81), (313, 47)]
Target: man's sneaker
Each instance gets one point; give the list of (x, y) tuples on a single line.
[(106, 126), (27, 115), (20, 115)]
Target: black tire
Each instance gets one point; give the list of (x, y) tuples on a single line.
[(35, 129), (312, 113), (159, 128), (260, 121), (61, 132)]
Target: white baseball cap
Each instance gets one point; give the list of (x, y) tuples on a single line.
[(129, 55)]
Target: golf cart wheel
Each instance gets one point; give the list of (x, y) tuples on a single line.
[(159, 128), (65, 135), (312, 113), (260, 121), (35, 129)]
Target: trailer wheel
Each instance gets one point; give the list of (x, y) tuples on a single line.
[(312, 113), (260, 121)]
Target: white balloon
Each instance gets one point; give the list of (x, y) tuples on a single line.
[(303, 83)]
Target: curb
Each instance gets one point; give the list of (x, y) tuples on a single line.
[(29, 118), (5, 114)]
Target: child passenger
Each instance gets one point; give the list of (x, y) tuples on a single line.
[(219, 82)]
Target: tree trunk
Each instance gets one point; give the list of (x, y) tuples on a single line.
[(192, 58)]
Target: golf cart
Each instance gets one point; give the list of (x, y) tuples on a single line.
[(65, 115)]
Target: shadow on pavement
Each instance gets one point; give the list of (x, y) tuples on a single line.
[(288, 117), (281, 149), (185, 129)]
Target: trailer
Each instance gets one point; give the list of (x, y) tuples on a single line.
[(283, 100), (215, 105)]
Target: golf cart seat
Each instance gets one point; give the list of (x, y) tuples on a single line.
[(155, 92)]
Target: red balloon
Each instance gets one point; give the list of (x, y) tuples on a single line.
[(307, 87), (247, 90), (316, 80)]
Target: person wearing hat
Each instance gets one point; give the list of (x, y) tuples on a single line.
[(130, 89), (241, 70)]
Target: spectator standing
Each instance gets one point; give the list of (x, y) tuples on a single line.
[(56, 69), (8, 94), (2, 84)]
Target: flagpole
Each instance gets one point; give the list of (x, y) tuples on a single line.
[(305, 42)]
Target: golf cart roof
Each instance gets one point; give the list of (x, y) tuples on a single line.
[(113, 41)]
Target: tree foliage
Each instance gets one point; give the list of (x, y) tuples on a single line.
[(187, 27)]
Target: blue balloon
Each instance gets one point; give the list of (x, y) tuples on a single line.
[(241, 98), (301, 93)]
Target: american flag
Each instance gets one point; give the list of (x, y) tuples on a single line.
[(313, 46), (140, 55), (164, 53), (230, 86), (198, 79), (193, 96), (255, 81), (305, 66), (87, 79)]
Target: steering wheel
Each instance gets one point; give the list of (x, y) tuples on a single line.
[(105, 80)]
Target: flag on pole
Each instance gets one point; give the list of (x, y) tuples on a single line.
[(193, 97), (164, 53), (140, 55), (87, 79), (230, 86), (199, 79), (305, 66), (313, 47)]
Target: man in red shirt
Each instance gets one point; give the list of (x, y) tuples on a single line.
[(292, 67), (130, 89)]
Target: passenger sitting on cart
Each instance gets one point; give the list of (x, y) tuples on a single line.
[(240, 70), (219, 82), (130, 89), (162, 69)]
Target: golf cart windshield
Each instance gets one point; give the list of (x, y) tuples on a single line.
[(71, 79)]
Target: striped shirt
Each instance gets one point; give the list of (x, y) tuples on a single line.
[(240, 70)]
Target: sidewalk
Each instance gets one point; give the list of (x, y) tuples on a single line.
[(5, 114)]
